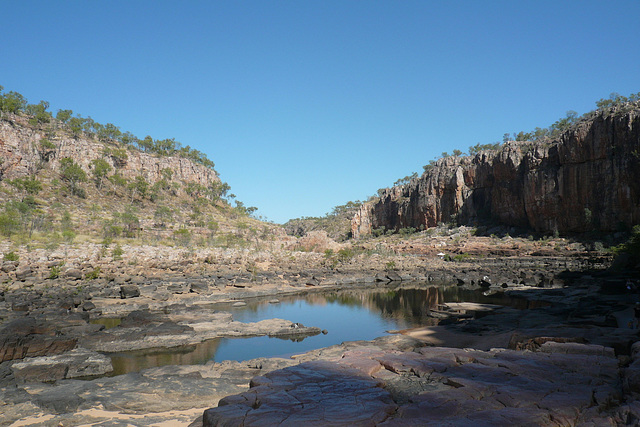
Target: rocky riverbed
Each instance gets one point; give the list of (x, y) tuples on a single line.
[(495, 365)]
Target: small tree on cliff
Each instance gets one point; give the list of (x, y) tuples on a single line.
[(64, 115), (139, 186), (72, 174), (39, 112), (100, 170), (12, 102)]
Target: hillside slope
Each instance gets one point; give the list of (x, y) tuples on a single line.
[(586, 179), (59, 186)]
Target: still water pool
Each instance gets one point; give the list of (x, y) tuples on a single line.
[(347, 315)]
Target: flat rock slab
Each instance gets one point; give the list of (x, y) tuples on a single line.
[(169, 395), (471, 306), (311, 394), (74, 364), (431, 386)]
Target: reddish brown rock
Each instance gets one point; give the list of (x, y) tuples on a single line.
[(587, 178), (431, 386), (311, 394), (28, 338)]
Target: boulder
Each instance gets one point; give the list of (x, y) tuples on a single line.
[(394, 276), (20, 306), (200, 287), (23, 273), (295, 330), (382, 277), (73, 273), (88, 306), (8, 266), (129, 291), (178, 288), (27, 337), (312, 281)]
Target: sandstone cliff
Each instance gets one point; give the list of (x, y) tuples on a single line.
[(588, 178), (21, 154)]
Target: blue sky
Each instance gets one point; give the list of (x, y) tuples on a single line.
[(305, 105)]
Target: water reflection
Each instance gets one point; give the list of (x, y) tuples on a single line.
[(108, 322), (134, 361), (348, 315)]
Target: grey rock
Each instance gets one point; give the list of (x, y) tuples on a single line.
[(138, 280), (394, 276), (313, 393), (73, 273), (312, 281), (20, 306), (8, 266), (60, 400), (74, 364), (129, 291), (122, 279), (24, 273), (295, 330), (382, 277), (178, 288), (199, 287), (88, 306)]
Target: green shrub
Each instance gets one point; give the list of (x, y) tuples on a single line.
[(68, 236), (631, 247), (73, 175), (11, 256), (117, 252), (346, 254), (457, 257), (406, 231), (377, 232), (54, 271), (182, 236), (93, 274)]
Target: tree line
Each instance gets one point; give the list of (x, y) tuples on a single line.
[(613, 102), (15, 103)]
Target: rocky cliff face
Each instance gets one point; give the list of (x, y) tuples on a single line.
[(22, 154), (588, 178)]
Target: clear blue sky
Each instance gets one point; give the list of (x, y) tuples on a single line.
[(305, 105)]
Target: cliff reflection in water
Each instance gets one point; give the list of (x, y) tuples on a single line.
[(414, 306), (347, 315)]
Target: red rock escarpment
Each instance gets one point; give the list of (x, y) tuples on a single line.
[(588, 178)]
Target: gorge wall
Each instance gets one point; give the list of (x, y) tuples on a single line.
[(21, 154), (587, 179)]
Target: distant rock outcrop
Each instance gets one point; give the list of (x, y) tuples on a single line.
[(587, 179), (23, 154)]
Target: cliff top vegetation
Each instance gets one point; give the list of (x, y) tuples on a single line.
[(39, 115), (60, 198)]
